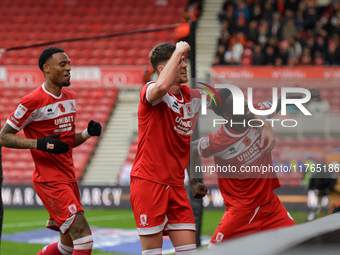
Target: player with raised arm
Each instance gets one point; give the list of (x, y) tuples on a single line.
[(165, 119), (167, 114), (47, 115), (249, 196)]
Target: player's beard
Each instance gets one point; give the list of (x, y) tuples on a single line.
[(66, 84)]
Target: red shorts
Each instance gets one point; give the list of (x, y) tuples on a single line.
[(159, 207), (237, 222), (62, 201)]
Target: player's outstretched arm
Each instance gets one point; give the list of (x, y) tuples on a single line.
[(315, 93), (93, 129), (168, 74), (198, 189), (8, 138)]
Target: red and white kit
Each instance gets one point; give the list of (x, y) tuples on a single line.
[(249, 197), (158, 195), (41, 114)]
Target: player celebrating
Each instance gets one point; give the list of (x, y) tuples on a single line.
[(47, 115), (251, 203), (166, 118)]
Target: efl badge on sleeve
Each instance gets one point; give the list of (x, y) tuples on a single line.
[(20, 111)]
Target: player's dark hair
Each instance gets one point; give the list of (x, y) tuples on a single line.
[(47, 54), (220, 109), (161, 53)]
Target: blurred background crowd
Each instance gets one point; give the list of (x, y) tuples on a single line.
[(279, 33)]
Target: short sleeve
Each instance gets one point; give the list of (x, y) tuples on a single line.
[(206, 146), (22, 115)]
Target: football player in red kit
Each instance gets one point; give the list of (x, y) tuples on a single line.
[(48, 115), (251, 204)]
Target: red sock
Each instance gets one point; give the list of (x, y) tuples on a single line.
[(83, 246), (51, 249)]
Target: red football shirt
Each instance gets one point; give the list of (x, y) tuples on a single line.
[(165, 127), (41, 114), (241, 189)]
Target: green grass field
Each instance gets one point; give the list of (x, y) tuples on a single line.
[(24, 220)]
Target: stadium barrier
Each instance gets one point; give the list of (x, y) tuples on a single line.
[(118, 197), (313, 238)]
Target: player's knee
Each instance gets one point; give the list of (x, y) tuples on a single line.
[(157, 251), (188, 249), (84, 243)]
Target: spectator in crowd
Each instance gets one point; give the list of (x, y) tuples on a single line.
[(268, 11), (219, 57), (295, 49), (257, 56), (269, 57), (252, 32), (276, 26), (289, 29), (242, 10), (292, 5), (332, 55)]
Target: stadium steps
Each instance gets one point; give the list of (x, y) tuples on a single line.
[(207, 34), (114, 144)]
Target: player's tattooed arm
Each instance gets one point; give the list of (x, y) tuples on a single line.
[(8, 138), (198, 189)]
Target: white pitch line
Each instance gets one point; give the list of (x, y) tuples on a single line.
[(37, 223)]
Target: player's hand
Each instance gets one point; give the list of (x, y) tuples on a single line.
[(52, 145), (267, 135), (94, 128), (198, 189), (183, 47), (314, 93)]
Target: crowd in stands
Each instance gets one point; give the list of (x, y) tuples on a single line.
[(279, 33)]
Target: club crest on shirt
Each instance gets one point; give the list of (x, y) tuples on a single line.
[(72, 209), (205, 143), (219, 237), (72, 107), (143, 220), (20, 111)]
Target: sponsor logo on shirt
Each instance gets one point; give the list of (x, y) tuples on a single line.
[(205, 143), (175, 105), (12, 118), (143, 220), (232, 150), (20, 111), (49, 112)]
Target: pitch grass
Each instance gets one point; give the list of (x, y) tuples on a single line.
[(24, 220)]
